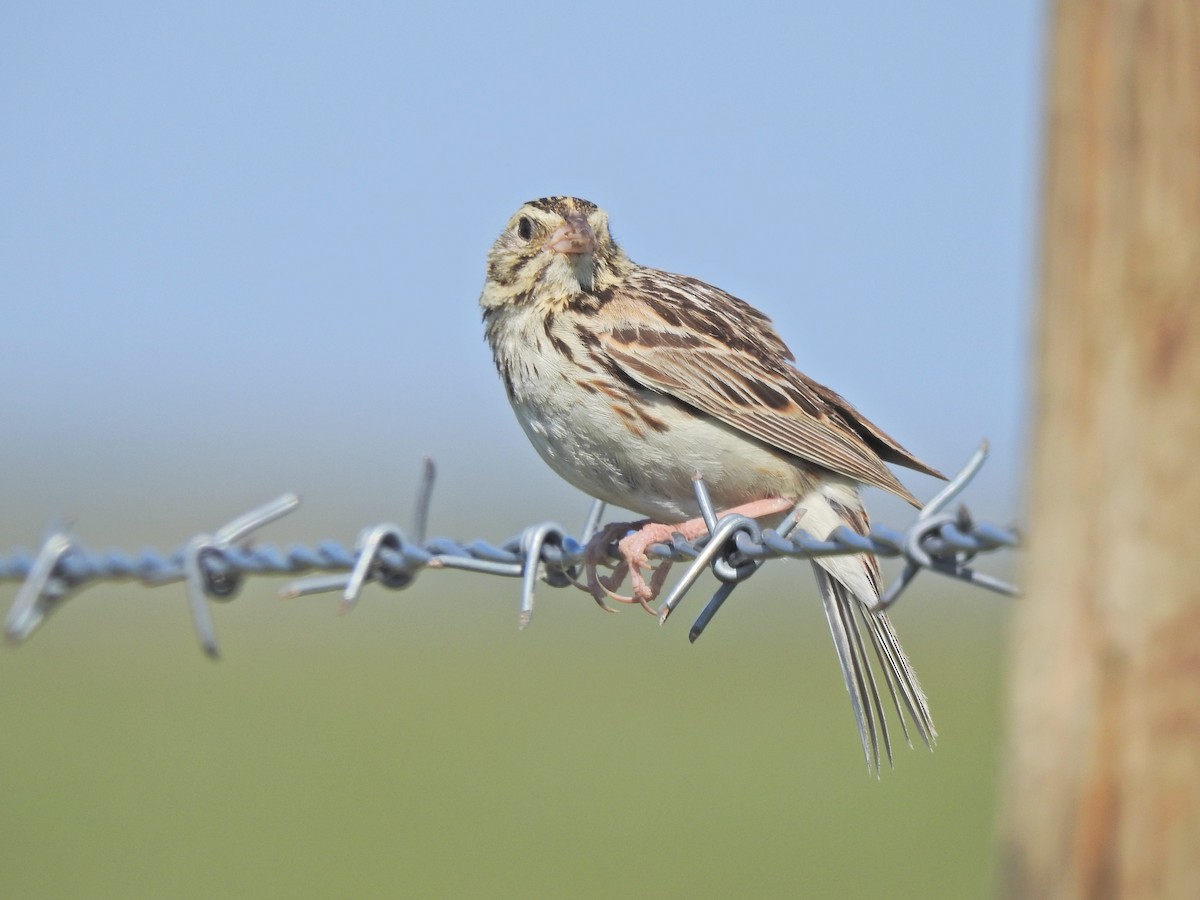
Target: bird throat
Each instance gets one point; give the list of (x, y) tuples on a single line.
[(567, 276)]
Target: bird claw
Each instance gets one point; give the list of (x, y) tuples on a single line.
[(632, 550)]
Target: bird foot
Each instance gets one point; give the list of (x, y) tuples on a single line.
[(634, 539), (633, 560)]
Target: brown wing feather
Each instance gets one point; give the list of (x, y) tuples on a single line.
[(888, 449), (738, 372)]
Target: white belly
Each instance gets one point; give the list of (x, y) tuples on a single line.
[(586, 442)]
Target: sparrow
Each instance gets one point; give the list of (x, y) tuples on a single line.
[(628, 380)]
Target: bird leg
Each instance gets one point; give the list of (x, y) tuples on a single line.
[(632, 549)]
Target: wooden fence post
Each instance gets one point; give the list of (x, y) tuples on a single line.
[(1102, 791)]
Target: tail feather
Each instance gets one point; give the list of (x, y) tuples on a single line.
[(900, 675), (856, 668), (849, 586), (882, 655)]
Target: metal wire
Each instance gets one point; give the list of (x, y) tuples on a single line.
[(214, 565)]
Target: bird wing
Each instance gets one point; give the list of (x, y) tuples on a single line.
[(717, 354)]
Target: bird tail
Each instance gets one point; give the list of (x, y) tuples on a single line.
[(849, 587)]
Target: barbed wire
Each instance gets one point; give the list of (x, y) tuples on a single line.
[(214, 565)]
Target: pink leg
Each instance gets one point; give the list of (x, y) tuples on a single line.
[(633, 547)]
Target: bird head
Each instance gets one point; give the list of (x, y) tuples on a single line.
[(552, 250)]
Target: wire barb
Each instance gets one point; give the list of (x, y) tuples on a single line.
[(929, 525), (43, 590), (213, 566), (207, 569)]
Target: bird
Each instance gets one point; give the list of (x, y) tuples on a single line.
[(629, 380)]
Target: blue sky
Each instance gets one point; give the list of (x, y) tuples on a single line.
[(241, 245)]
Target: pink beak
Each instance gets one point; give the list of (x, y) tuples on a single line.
[(573, 236)]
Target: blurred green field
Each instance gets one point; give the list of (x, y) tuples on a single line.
[(422, 746)]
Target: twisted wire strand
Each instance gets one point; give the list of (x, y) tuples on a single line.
[(213, 566)]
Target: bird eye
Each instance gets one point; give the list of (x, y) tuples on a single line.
[(524, 228)]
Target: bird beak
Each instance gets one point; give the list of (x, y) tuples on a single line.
[(575, 235)]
